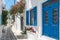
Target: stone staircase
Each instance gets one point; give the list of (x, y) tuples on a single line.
[(22, 37)]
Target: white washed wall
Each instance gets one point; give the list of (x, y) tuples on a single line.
[(38, 3), (16, 28), (0, 11), (0, 18), (28, 5), (32, 3)]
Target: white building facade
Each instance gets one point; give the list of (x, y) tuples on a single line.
[(37, 24), (0, 10), (1, 7)]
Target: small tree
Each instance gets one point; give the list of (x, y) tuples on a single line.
[(19, 7), (4, 17)]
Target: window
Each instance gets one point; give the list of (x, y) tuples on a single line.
[(46, 17), (31, 17), (55, 16)]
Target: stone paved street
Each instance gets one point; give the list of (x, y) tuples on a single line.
[(8, 35)]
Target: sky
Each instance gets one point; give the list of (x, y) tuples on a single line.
[(8, 4)]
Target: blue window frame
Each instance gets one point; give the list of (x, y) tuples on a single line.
[(33, 16), (55, 16)]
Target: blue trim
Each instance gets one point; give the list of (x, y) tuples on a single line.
[(34, 21), (35, 16), (50, 29), (34, 12), (59, 19), (31, 17), (27, 17)]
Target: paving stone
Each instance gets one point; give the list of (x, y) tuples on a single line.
[(22, 36), (8, 35)]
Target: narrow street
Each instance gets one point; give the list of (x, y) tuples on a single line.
[(8, 35), (29, 19)]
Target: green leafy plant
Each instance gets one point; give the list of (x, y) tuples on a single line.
[(4, 17), (17, 8)]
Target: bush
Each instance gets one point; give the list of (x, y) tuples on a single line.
[(4, 17)]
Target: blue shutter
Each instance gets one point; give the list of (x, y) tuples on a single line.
[(27, 17), (35, 16), (31, 17)]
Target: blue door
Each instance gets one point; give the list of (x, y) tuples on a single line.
[(46, 21), (55, 20), (51, 21)]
